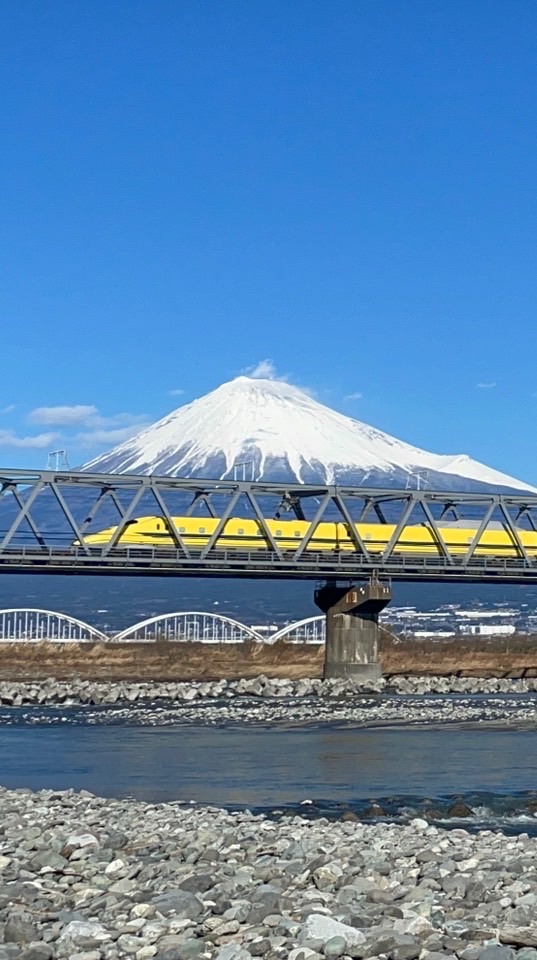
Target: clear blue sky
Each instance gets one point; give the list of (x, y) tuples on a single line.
[(347, 188)]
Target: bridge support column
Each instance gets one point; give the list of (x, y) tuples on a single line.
[(352, 630)]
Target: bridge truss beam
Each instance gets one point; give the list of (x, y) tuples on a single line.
[(42, 514)]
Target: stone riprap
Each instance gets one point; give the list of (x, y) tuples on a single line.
[(84, 878), (17, 693), (412, 700)]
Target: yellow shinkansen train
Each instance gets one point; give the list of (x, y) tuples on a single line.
[(247, 534)]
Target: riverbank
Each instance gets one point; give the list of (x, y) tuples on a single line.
[(79, 691), (165, 661), (103, 879)]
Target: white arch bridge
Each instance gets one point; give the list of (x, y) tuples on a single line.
[(27, 624)]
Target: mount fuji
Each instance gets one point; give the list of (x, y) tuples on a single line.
[(254, 429)]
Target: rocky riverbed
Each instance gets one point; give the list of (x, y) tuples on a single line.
[(355, 711), (408, 700), (83, 878)]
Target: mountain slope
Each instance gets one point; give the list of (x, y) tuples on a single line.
[(269, 430)]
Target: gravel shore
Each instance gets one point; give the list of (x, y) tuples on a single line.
[(356, 712), (83, 878), (408, 700)]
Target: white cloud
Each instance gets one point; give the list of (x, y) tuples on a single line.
[(94, 428), (88, 416), (64, 416), (262, 370), (9, 409), (354, 396), (176, 393), (486, 386), (109, 437), (9, 439)]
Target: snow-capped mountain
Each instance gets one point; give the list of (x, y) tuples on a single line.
[(270, 430)]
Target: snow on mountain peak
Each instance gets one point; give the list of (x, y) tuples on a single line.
[(269, 429)]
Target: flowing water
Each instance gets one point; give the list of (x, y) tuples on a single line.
[(314, 770)]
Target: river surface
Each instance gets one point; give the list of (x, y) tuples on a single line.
[(405, 769)]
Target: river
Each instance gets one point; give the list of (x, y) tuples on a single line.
[(317, 770)]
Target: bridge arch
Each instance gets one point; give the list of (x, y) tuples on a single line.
[(189, 626), (309, 630), (31, 624)]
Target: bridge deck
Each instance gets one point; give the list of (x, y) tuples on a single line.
[(172, 563)]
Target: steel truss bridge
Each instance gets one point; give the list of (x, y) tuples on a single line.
[(43, 513), (27, 624)]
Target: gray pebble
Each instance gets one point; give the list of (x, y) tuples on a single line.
[(496, 951)]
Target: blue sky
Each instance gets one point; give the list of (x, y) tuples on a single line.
[(345, 189)]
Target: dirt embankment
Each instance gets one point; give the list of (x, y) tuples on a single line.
[(158, 661), (495, 657), (514, 656)]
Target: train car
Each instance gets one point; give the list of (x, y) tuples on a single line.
[(247, 534), (495, 540), (237, 534)]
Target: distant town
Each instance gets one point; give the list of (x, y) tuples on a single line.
[(452, 619), (447, 620)]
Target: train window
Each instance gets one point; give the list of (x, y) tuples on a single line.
[(297, 533), (240, 532), (201, 530), (158, 526), (182, 530), (367, 536), (278, 533)]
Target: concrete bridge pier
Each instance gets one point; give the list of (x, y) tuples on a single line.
[(352, 630)]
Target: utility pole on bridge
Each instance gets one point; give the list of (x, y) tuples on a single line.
[(352, 630)]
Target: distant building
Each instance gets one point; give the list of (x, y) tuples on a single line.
[(487, 629)]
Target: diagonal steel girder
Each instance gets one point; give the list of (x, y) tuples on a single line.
[(124, 522), (440, 542), (145, 485), (511, 529), (480, 531), (200, 497), (118, 482), (524, 513), (218, 530), (313, 525), (70, 519), (172, 526), (401, 524), (269, 538), (513, 511), (106, 494), (339, 501), (24, 514)]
